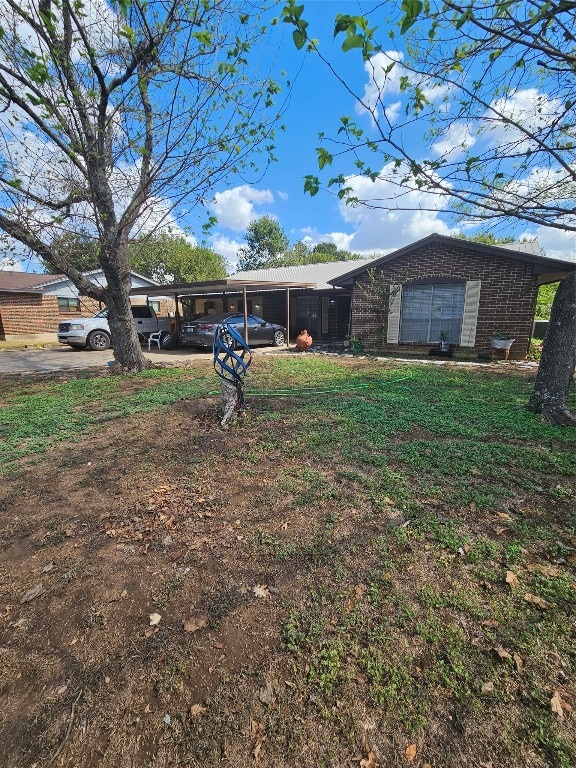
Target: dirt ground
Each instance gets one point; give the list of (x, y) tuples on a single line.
[(142, 615)]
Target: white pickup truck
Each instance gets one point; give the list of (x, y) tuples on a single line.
[(94, 332)]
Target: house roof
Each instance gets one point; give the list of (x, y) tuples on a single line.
[(319, 274), (33, 282), (526, 251), (211, 287), (25, 281)]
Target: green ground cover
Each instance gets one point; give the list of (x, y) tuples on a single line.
[(420, 527)]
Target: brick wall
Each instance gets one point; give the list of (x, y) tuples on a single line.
[(507, 297), (34, 314)]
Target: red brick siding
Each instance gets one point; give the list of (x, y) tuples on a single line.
[(34, 313), (507, 297), (30, 313)]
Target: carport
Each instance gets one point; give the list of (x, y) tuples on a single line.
[(219, 288)]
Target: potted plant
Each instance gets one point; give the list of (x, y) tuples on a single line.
[(444, 343), (501, 340), (355, 344)]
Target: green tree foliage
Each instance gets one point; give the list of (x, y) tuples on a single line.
[(268, 246), (488, 238), (75, 251), (266, 241), (115, 113), (168, 258), (545, 300)]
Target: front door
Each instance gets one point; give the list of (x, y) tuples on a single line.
[(308, 315)]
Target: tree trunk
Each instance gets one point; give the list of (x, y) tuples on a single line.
[(555, 373), (127, 349)]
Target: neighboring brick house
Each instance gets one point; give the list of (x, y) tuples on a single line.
[(32, 305), (468, 291)]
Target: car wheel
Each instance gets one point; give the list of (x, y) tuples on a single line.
[(279, 338), (99, 341), (167, 341)]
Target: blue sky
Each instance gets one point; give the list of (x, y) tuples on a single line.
[(317, 102)]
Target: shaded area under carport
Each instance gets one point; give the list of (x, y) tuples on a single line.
[(229, 285)]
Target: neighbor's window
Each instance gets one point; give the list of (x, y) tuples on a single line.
[(155, 306), (66, 304), (430, 309)]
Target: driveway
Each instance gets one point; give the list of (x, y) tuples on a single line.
[(65, 358)]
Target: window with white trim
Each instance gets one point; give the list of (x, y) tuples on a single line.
[(68, 304), (429, 309)]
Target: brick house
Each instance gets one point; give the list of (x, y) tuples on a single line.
[(32, 305), (463, 290)]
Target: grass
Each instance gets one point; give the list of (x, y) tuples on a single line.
[(420, 525)]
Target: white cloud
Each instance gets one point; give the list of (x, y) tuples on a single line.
[(8, 264), (228, 248), (385, 72), (455, 141), (405, 214), (235, 208), (529, 108), (556, 243)]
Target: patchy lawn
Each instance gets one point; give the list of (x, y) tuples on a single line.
[(374, 566)]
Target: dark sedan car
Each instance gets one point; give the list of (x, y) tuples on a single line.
[(200, 332)]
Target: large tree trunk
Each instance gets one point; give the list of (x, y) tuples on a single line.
[(555, 374), (127, 349)]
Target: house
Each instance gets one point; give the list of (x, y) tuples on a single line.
[(323, 310), (465, 291), (32, 305)]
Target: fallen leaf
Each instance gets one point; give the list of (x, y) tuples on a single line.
[(411, 752), (261, 590), (490, 623), (196, 710), (502, 653), (48, 568), (195, 623), (62, 690), (499, 530), (370, 761), (487, 687), (518, 661), (558, 705), (284, 526), (503, 515), (535, 600), (256, 752), (512, 580), (266, 694), (32, 593), (155, 619)]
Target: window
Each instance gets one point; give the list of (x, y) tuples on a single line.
[(141, 312), (155, 306), (66, 304), (432, 308)]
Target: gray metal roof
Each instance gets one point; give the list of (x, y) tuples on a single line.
[(211, 287), (307, 273)]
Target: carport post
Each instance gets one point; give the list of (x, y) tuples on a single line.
[(177, 318), (245, 314), (288, 317)]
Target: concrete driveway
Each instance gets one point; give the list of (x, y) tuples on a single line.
[(66, 358)]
